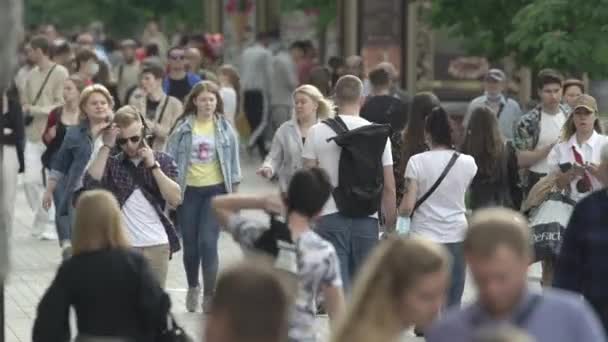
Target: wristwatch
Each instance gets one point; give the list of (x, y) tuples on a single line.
[(155, 166)]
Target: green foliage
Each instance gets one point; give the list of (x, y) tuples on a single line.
[(122, 17), (563, 34), (328, 10)]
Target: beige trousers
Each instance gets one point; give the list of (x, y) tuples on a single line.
[(158, 259)]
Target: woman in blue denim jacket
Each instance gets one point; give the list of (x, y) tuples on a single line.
[(206, 150), (74, 155)]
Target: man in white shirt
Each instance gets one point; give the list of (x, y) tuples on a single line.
[(143, 182), (538, 131), (353, 238)]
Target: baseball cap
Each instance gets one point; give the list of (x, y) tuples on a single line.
[(128, 43), (495, 75), (586, 101)]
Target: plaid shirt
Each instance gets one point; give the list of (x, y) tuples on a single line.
[(582, 265), (121, 177)]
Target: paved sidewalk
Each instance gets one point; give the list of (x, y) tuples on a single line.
[(34, 263)]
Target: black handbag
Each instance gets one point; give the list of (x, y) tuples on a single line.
[(173, 332)]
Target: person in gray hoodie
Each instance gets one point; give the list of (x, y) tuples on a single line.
[(285, 154)]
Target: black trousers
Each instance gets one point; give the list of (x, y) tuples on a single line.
[(253, 103)]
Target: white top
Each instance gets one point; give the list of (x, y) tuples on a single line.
[(144, 227), (590, 151), (228, 95), (550, 130), (441, 218), (328, 153)]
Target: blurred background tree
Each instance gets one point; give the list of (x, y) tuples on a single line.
[(121, 18), (562, 34)]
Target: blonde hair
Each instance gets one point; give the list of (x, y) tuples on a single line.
[(90, 90), (127, 115), (569, 128), (391, 270), (326, 108), (98, 224)]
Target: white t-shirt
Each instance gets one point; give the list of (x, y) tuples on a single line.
[(228, 95), (441, 218), (590, 151), (144, 227), (550, 130), (328, 153)]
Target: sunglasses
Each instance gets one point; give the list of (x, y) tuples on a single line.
[(133, 139), (177, 57)]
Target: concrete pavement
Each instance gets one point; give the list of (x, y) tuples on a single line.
[(35, 262)]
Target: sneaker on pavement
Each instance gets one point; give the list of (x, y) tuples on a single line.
[(66, 252), (192, 298), (207, 300), (49, 235)]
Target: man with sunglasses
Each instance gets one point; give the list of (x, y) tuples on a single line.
[(143, 182), (179, 81)]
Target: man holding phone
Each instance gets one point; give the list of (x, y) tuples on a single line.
[(143, 182)]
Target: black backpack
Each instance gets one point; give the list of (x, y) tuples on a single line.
[(360, 173)]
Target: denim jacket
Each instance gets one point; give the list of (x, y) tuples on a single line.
[(227, 147), (70, 161)]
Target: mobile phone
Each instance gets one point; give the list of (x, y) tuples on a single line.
[(565, 167)]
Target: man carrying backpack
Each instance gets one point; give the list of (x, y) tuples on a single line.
[(357, 156)]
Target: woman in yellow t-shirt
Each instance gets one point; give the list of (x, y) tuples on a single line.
[(206, 150)]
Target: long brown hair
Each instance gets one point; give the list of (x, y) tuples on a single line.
[(413, 134), (203, 86), (98, 224), (484, 142), (392, 269)]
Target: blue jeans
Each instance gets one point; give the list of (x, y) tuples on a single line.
[(63, 223), (353, 239), (200, 233), (458, 275)]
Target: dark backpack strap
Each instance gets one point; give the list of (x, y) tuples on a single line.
[(162, 110), (500, 109), (46, 79), (437, 182), (337, 125)]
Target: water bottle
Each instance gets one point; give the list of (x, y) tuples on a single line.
[(403, 225)]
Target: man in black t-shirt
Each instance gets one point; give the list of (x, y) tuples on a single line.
[(179, 82)]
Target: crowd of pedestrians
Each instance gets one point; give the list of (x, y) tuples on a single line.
[(135, 154)]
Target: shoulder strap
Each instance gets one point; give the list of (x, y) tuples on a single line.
[(121, 69), (162, 110), (46, 79), (337, 125), (500, 109), (437, 182)]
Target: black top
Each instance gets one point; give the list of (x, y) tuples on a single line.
[(113, 293), (499, 188), (13, 119), (179, 88), (151, 107), (385, 109)]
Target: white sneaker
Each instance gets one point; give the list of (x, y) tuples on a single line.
[(192, 298), (49, 235)]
